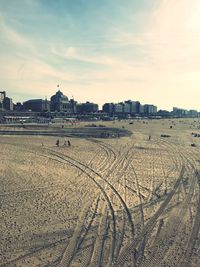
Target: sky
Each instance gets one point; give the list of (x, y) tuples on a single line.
[(102, 50)]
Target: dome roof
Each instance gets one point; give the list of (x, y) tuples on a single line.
[(59, 96)]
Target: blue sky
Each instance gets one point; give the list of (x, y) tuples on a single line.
[(102, 50)]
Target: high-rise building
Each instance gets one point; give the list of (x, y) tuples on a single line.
[(8, 104), (179, 112), (126, 108), (150, 109), (118, 108), (193, 113), (5, 102), (141, 110), (108, 108), (2, 96), (134, 107)]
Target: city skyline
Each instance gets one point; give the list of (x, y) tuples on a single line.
[(102, 52), (100, 107)]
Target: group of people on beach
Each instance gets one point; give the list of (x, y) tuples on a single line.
[(66, 143)]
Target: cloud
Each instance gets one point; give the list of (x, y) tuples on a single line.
[(25, 62), (11, 35), (171, 40), (170, 36), (82, 54)]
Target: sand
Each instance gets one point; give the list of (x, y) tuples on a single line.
[(126, 201)]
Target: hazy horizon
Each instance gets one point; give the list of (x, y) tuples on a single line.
[(102, 51)]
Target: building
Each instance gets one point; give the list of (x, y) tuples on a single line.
[(193, 113), (72, 106), (59, 102), (118, 108), (18, 106), (37, 105), (134, 107), (163, 113), (87, 107), (2, 96), (179, 112), (108, 108), (150, 109), (126, 108), (8, 104), (141, 110), (5, 102)]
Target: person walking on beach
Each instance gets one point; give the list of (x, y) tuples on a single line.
[(69, 144), (57, 142)]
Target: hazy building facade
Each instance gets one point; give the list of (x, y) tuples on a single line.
[(108, 108), (87, 107), (193, 113), (118, 108), (59, 102), (141, 110), (2, 96), (72, 106), (134, 107), (163, 113), (150, 109), (37, 105), (126, 108), (179, 112), (7, 104), (130, 107), (18, 106)]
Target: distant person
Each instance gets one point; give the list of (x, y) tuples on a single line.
[(149, 137), (57, 142), (69, 144)]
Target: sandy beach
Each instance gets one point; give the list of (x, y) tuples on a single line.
[(129, 201)]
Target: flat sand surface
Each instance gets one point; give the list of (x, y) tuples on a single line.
[(131, 201)]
